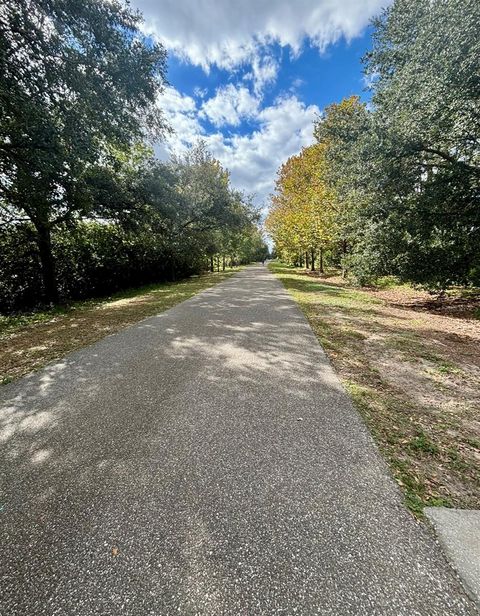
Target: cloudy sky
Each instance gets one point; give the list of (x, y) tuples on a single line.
[(249, 76)]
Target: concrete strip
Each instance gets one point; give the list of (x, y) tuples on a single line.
[(459, 533)]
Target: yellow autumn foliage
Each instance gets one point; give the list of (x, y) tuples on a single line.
[(303, 208)]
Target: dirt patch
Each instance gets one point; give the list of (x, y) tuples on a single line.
[(412, 367), (457, 303)]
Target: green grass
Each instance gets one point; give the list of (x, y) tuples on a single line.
[(422, 443), (11, 323)]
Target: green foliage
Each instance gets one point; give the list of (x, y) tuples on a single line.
[(156, 231), (407, 173), (303, 215), (422, 443), (340, 129), (425, 133), (79, 80), (20, 280)]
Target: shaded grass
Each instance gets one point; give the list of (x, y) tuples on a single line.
[(416, 387), (29, 341)]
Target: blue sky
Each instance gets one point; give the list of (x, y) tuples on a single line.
[(317, 78), (249, 77)]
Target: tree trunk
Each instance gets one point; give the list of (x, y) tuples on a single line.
[(320, 269), (313, 260), (224, 265), (344, 252), (212, 268), (307, 264), (47, 262), (218, 264)]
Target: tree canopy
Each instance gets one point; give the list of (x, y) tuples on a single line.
[(405, 171), (78, 79)]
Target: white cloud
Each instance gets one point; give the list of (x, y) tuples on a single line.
[(181, 114), (264, 70), (230, 105), (230, 32), (253, 158), (199, 92), (238, 36), (297, 83)]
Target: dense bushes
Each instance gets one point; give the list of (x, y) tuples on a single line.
[(96, 259), (92, 259), (20, 280)]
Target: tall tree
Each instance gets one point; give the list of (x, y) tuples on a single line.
[(424, 142), (210, 204), (77, 78), (341, 129), (302, 213)]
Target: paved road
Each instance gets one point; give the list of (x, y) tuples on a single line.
[(205, 461)]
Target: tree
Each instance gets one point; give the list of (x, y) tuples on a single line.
[(78, 78), (250, 245), (302, 214), (211, 209), (209, 201), (423, 145), (141, 230), (341, 129)]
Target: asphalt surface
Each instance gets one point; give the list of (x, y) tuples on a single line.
[(206, 461)]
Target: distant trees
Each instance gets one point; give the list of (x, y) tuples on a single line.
[(303, 209), (212, 210), (153, 221), (406, 172), (85, 209), (199, 214)]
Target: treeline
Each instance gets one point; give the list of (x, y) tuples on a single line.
[(85, 208), (149, 222), (393, 187)]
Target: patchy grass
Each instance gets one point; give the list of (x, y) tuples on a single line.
[(412, 368), (29, 341)]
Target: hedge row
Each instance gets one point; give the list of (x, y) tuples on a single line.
[(92, 260)]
